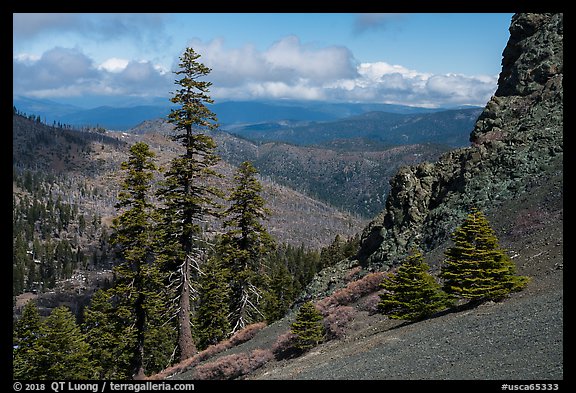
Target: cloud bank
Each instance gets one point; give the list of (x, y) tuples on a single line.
[(287, 69), (68, 72)]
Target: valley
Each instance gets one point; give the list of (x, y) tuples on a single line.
[(315, 193)]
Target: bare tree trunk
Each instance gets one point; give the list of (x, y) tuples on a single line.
[(185, 340), (138, 361)]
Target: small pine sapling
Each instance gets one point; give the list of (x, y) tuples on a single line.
[(308, 327)]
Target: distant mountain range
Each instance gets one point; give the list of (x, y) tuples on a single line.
[(117, 118), (448, 127), (231, 114)]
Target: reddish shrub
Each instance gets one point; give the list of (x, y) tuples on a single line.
[(223, 368), (324, 305), (352, 273), (352, 292), (233, 366), (238, 338), (370, 303), (367, 284), (337, 320), (246, 334), (258, 357), (284, 347)]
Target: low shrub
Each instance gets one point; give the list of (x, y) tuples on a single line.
[(233, 366), (350, 293), (337, 320), (238, 338), (284, 346), (246, 334), (370, 303)]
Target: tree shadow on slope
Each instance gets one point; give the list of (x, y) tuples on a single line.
[(464, 306)]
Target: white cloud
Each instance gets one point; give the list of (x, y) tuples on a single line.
[(270, 90), (290, 69), (114, 64), (376, 70), (26, 58), (383, 82), (287, 69), (231, 67), (65, 72), (318, 64), (286, 61), (457, 88), (56, 68)]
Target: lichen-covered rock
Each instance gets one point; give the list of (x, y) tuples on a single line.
[(532, 55), (515, 139)]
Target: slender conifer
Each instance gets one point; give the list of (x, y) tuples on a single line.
[(187, 197), (244, 245), (308, 327)]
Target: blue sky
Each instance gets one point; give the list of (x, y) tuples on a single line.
[(429, 59)]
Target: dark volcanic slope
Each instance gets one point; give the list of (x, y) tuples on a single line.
[(520, 339)]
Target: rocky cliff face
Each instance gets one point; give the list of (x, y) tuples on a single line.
[(517, 139)]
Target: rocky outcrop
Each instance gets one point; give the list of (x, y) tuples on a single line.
[(516, 139)]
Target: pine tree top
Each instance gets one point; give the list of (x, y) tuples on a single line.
[(192, 96)]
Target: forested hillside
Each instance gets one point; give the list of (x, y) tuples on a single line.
[(65, 186), (60, 206), (350, 174)]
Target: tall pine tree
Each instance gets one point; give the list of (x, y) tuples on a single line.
[(109, 325), (133, 231), (475, 267), (109, 328), (412, 293), (280, 293), (61, 350), (186, 196), (244, 245)]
